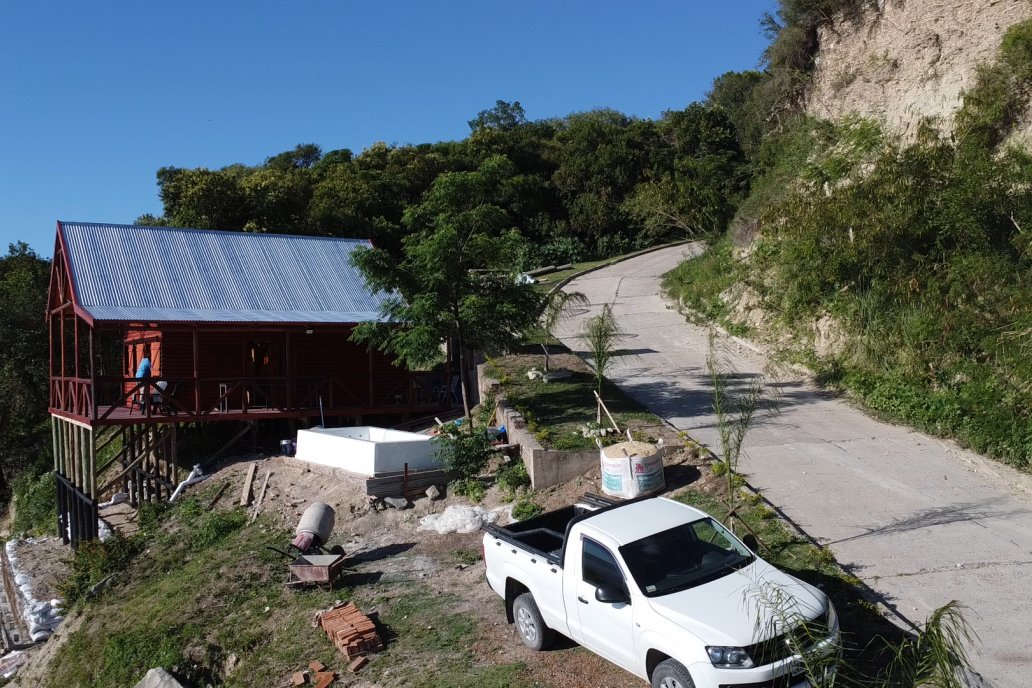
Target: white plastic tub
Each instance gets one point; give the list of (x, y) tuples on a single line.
[(366, 450)]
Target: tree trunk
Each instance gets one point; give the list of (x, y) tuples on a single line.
[(545, 347), (464, 383)]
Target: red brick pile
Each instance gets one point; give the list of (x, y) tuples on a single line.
[(350, 630)]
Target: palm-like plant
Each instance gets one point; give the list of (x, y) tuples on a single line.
[(559, 305), (602, 333)]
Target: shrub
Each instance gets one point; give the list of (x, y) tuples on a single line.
[(513, 477), (468, 487), (525, 507), (35, 504), (463, 451)]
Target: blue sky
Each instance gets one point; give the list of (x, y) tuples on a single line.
[(97, 96)]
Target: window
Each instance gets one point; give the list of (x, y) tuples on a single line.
[(684, 556), (598, 567)]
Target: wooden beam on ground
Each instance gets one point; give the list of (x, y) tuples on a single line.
[(261, 496), (245, 496), (217, 495)]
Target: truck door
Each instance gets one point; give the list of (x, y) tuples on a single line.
[(604, 628)]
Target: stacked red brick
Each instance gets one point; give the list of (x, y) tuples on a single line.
[(350, 630)]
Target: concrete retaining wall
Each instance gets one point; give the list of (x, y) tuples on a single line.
[(546, 467)]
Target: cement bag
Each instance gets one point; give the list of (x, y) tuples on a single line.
[(630, 469)]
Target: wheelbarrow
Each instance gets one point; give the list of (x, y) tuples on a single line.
[(306, 568), (313, 563)]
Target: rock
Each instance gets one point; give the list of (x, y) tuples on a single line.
[(433, 492), (397, 502), (158, 678)]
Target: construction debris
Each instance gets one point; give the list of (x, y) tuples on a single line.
[(357, 664), (324, 678), (316, 666), (433, 493), (350, 630), (397, 502), (299, 678), (158, 678)]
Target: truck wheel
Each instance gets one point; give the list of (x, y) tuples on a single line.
[(529, 624), (671, 674)]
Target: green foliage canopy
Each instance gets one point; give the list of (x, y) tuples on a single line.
[(24, 278), (453, 277)]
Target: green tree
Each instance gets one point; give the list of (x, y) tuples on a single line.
[(24, 278), (601, 156), (503, 115), (454, 277), (699, 179), (740, 95)]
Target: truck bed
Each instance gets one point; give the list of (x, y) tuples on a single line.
[(545, 534)]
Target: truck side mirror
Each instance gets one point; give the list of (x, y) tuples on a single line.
[(750, 541), (610, 594)]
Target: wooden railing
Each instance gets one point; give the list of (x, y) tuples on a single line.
[(160, 396)]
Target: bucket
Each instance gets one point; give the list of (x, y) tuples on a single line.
[(286, 447), (630, 469)]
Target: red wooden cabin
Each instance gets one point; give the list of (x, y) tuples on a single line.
[(236, 326)]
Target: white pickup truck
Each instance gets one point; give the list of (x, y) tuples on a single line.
[(662, 590)]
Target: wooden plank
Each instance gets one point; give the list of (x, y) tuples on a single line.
[(245, 496), (261, 496)]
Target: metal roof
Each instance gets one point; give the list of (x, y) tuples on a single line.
[(133, 273)]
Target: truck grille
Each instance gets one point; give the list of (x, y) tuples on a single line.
[(784, 645)]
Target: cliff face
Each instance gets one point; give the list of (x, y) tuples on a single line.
[(909, 59)]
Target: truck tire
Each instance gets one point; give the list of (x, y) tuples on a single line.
[(529, 624), (671, 674)]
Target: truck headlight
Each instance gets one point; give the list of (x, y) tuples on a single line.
[(729, 657)]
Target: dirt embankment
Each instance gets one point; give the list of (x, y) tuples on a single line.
[(909, 59), (387, 548)]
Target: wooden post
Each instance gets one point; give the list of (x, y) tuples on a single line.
[(196, 375), (93, 465), (371, 388), (93, 381), (287, 361)]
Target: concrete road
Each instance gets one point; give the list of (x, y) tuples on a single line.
[(920, 520)]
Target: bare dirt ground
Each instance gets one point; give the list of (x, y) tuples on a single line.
[(386, 547), (45, 561)]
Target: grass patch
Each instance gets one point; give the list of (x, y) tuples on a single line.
[(194, 589), (546, 282), (432, 646), (555, 411), (698, 284)]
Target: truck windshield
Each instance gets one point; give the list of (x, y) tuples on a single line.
[(683, 557)]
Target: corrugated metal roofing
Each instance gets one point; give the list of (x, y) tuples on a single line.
[(133, 273)]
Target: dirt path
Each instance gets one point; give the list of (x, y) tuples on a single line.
[(920, 520)]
